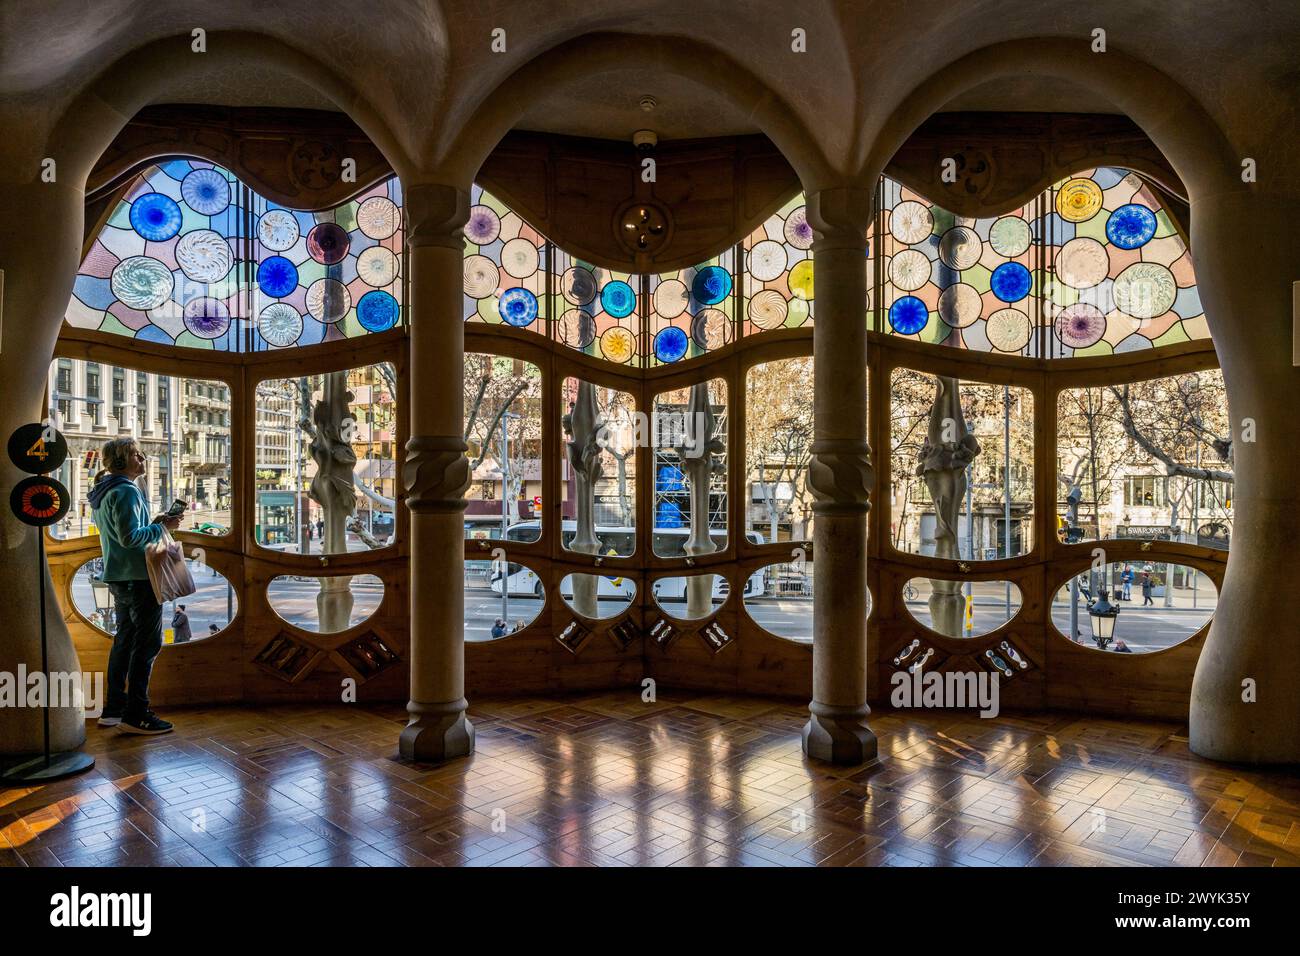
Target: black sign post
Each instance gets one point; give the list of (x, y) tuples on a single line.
[(40, 501)]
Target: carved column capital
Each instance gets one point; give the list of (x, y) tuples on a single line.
[(840, 217), (840, 476), (436, 215), (435, 473)]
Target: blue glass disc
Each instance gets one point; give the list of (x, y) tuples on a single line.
[(156, 217), (711, 285), (908, 315), (1010, 282), (277, 276), (617, 298), (377, 311), (670, 344), (518, 307), (206, 191), (1131, 226)]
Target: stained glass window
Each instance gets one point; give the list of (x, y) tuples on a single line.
[(599, 310), (505, 266), (1091, 266), (327, 275), (192, 257), (948, 279), (779, 271), (1119, 275), (692, 311)]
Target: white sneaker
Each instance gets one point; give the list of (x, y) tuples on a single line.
[(109, 721)]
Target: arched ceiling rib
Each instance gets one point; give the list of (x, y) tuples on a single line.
[(425, 66)]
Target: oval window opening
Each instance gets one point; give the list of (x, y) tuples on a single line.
[(498, 604), (961, 608), (690, 597), (325, 604), (597, 595), (194, 617), (779, 598), (1157, 605)]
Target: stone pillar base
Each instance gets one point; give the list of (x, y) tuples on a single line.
[(436, 732), (838, 735)]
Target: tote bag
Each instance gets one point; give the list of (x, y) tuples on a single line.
[(168, 572)]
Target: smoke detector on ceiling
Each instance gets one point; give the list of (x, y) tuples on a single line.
[(648, 103)]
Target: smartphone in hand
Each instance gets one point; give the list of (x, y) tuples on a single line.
[(177, 510)]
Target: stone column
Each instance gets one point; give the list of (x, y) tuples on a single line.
[(436, 475), (840, 479), (1244, 705), (39, 259)]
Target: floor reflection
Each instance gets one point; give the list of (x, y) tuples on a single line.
[(611, 780)]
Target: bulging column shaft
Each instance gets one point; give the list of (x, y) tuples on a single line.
[(436, 475), (840, 479)]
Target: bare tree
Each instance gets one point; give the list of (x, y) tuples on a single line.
[(778, 435)]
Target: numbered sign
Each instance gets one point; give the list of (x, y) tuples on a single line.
[(37, 449), (39, 501)]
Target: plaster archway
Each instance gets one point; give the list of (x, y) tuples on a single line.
[(1243, 704), (40, 263), (498, 111)]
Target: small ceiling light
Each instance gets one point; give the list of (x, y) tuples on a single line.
[(645, 140)]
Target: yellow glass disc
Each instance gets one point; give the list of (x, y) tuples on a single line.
[(1078, 200), (618, 344), (801, 279)]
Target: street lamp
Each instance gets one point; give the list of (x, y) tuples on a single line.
[(104, 603), (506, 504), (1103, 615)]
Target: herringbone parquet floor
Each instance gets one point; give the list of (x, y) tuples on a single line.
[(688, 780)]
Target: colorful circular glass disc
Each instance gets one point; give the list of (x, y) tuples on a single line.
[(142, 283), (1011, 282), (711, 329), (618, 344), (280, 324), (1078, 200), (768, 309), (328, 243), (206, 318), (908, 315), (277, 230), (711, 285), (204, 255), (800, 279), (378, 217), (156, 217), (277, 276), (518, 307), (670, 344), (618, 299), (377, 311), (206, 191), (1008, 330), (1131, 226)]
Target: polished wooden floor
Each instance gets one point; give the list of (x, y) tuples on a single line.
[(688, 780)]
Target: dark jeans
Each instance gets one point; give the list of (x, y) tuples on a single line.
[(136, 644)]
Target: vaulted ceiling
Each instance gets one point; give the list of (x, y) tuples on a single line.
[(424, 69)]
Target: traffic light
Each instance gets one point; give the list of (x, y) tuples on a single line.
[(91, 459)]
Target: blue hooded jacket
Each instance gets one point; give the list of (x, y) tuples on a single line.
[(125, 527)]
